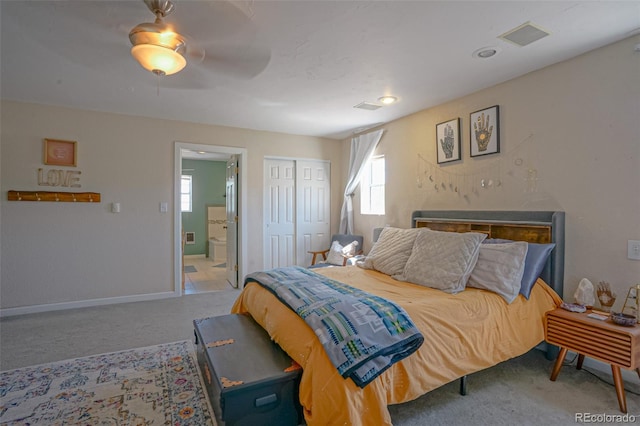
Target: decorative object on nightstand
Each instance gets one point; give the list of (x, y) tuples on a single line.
[(585, 294), (632, 302), (623, 319), (599, 339), (606, 296)]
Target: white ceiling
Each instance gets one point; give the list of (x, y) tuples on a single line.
[(290, 66)]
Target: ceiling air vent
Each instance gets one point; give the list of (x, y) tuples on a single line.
[(368, 106), (525, 34)]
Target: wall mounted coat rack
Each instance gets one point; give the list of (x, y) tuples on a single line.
[(69, 197)]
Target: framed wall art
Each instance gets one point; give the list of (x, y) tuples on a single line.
[(448, 141), (60, 153), (485, 131)]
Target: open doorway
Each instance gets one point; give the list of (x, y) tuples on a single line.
[(233, 270)]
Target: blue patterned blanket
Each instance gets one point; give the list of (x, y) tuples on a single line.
[(362, 334)]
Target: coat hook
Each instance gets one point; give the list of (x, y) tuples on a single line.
[(57, 199), (37, 197), (74, 197), (19, 197)]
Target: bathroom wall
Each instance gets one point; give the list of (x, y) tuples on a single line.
[(208, 186)]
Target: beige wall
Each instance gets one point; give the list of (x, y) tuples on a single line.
[(64, 252), (582, 116), (583, 119)]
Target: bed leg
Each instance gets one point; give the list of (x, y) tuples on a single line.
[(463, 385)]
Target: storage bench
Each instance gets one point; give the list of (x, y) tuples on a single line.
[(250, 380)]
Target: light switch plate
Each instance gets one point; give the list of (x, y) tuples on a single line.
[(164, 207), (633, 250)]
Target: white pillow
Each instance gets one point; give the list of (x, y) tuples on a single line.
[(443, 260), (500, 268), (350, 249), (337, 252), (390, 253)]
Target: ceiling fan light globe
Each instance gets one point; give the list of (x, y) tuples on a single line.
[(159, 35), (158, 59)]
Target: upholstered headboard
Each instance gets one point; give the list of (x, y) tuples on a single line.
[(530, 226)]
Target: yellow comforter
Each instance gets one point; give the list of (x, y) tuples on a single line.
[(463, 333)]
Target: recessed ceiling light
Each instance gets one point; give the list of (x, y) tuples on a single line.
[(485, 52), (387, 100)]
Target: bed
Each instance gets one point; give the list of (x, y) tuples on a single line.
[(464, 332)]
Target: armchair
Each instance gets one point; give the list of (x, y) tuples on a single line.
[(343, 247)]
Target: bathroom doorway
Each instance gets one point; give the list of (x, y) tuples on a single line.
[(203, 265)]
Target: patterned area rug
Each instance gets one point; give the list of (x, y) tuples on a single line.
[(189, 269), (156, 385)]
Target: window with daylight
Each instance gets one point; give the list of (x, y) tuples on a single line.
[(372, 186), (185, 193)]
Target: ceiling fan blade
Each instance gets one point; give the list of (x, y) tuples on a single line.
[(221, 39), (194, 52), (211, 21), (236, 61), (60, 24)]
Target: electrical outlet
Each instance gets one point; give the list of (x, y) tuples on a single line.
[(633, 249)]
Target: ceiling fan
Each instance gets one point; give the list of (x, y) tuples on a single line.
[(157, 46), (236, 51), (216, 41)]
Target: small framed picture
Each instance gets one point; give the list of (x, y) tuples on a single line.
[(60, 153), (485, 131), (448, 141)]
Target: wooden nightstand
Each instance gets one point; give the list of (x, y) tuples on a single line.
[(603, 340)]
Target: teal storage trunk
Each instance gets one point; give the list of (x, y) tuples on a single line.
[(250, 380)]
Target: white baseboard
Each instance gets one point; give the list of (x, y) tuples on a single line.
[(7, 312)]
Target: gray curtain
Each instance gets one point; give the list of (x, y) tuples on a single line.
[(361, 150)]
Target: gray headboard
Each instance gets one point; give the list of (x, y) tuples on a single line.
[(553, 273)]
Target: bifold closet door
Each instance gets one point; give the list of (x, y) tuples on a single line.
[(313, 195), (296, 210)]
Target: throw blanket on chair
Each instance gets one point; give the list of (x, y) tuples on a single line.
[(362, 334)]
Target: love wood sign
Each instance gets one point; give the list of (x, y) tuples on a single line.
[(59, 177)]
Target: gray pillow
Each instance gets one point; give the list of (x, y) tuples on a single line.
[(443, 260), (390, 253), (500, 268)]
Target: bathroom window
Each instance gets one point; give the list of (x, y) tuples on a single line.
[(186, 193)]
